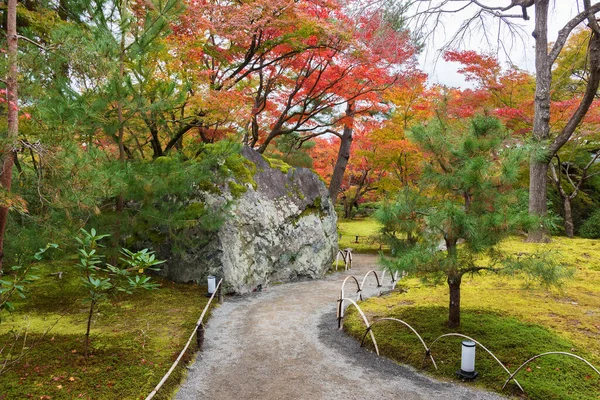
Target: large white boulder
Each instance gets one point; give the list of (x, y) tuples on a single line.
[(283, 229)]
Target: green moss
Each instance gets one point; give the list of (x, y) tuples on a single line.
[(236, 189), (366, 229), (319, 177), (245, 174), (505, 317), (279, 164), (195, 210), (510, 339), (134, 340)]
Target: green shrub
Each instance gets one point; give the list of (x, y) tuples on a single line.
[(591, 227)]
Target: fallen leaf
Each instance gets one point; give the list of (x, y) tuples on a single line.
[(59, 386), (528, 369), (72, 379)]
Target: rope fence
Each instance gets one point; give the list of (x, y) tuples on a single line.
[(198, 330)]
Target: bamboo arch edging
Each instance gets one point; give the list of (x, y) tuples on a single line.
[(427, 350), (346, 255), (365, 279), (164, 379), (512, 376), (393, 275), (483, 347), (366, 321), (340, 310)]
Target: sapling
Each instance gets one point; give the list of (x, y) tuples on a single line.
[(102, 279), (15, 279)]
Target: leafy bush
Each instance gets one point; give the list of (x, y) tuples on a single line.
[(591, 227)]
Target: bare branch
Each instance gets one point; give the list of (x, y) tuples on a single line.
[(32, 42), (564, 33)]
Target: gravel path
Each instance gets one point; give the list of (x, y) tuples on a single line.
[(283, 343)]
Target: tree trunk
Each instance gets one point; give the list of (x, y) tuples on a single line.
[(343, 155), (454, 279), (348, 209), (569, 228), (89, 327), (538, 168), (6, 153), (538, 206), (454, 306), (120, 200)]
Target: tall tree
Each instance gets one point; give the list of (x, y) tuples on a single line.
[(466, 194), (7, 143), (546, 145)]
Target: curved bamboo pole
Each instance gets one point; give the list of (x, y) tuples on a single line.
[(346, 255), (365, 279), (340, 313), (427, 352), (512, 376), (483, 347), (366, 321)]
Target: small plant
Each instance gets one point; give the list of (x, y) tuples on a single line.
[(590, 229), (102, 279), (14, 280)]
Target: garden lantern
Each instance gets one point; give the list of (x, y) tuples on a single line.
[(212, 284), (467, 362)]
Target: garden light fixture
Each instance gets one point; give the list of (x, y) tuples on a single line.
[(212, 284), (467, 362)]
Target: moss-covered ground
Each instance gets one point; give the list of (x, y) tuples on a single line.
[(135, 338), (514, 321), (366, 229)]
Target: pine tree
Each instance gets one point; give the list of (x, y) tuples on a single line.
[(466, 203)]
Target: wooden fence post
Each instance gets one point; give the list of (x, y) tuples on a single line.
[(200, 336), (220, 293)]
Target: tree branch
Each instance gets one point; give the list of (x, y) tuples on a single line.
[(564, 33)]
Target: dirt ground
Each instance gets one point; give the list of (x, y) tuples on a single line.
[(283, 343)]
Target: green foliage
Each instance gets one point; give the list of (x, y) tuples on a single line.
[(101, 279), (14, 280), (162, 197), (465, 195), (591, 227), (466, 204), (134, 339), (291, 150), (540, 268)]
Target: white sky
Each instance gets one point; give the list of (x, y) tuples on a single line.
[(521, 51)]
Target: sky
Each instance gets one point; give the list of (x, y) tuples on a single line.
[(521, 51)]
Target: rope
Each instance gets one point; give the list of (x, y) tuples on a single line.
[(164, 379)]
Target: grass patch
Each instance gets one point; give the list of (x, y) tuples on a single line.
[(134, 340), (511, 340), (366, 229), (512, 320)]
